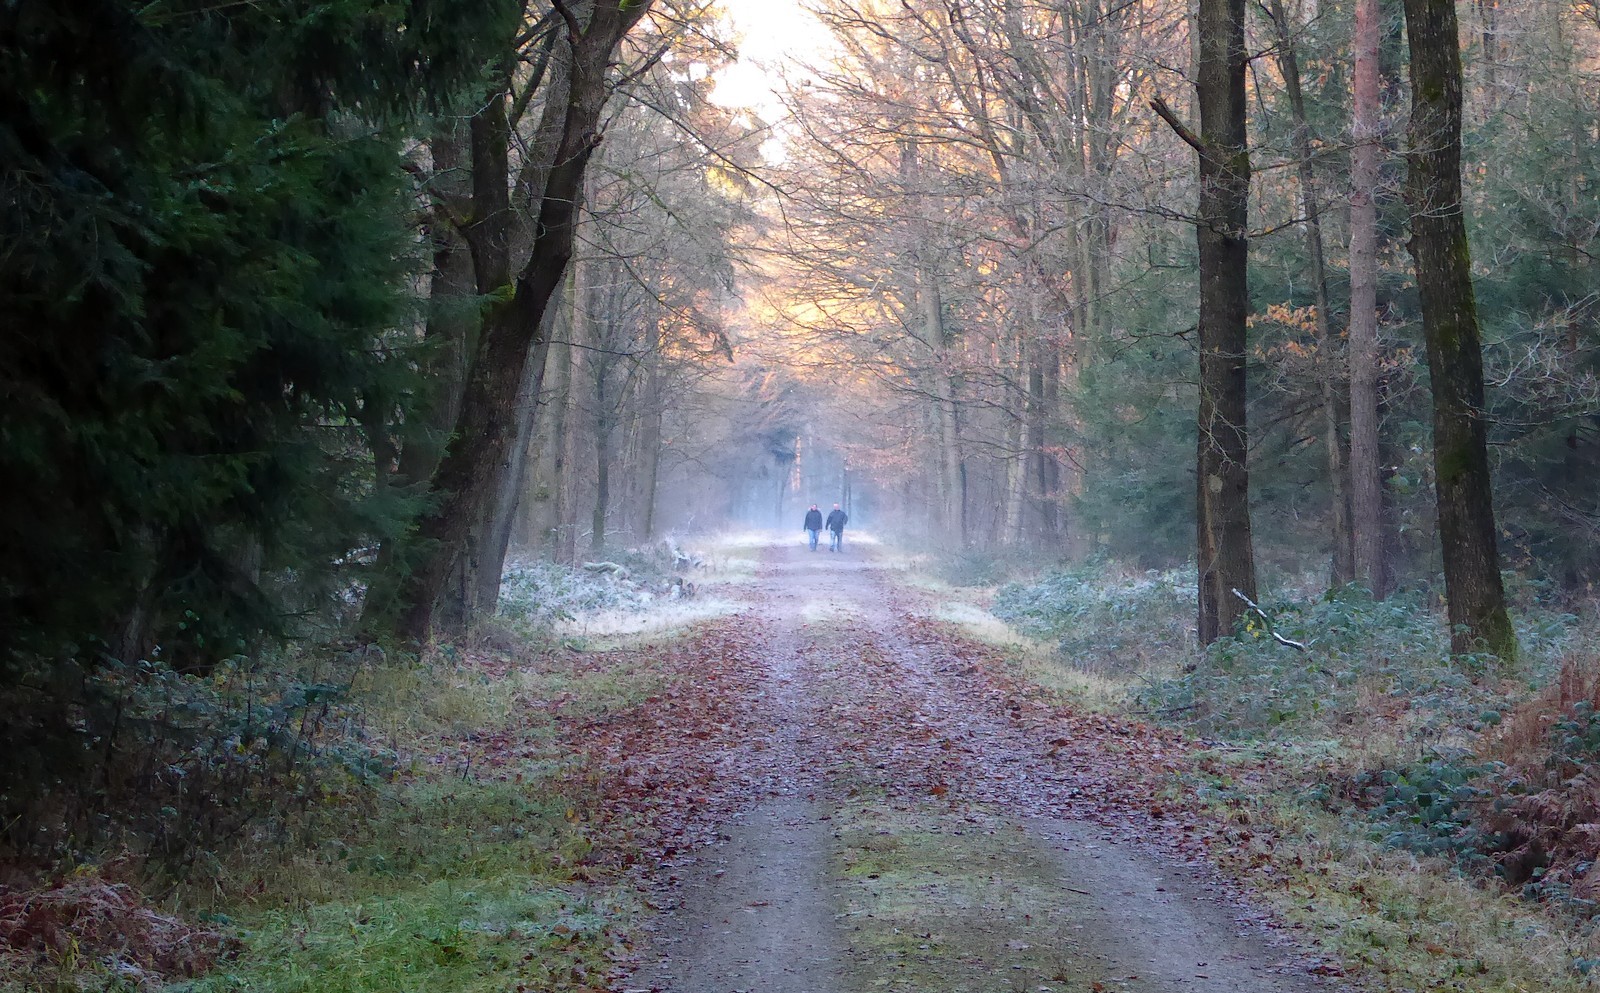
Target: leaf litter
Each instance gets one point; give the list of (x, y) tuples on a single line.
[(876, 710)]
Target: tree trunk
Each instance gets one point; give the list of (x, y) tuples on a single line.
[(468, 476), (448, 333), (650, 434), (496, 539), (1462, 486), (602, 478), (552, 517), (1016, 459), (1223, 547), (1055, 474), (1044, 470), (561, 541), (598, 364), (447, 338), (952, 469), (1366, 487), (1327, 367)]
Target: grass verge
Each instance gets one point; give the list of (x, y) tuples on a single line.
[(1394, 801), (1395, 919), (475, 870), (952, 902)]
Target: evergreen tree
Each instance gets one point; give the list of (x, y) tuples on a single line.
[(206, 250)]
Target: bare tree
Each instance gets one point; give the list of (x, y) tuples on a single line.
[(468, 476)]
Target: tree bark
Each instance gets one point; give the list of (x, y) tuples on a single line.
[(1366, 487), (650, 433), (1224, 552), (602, 477), (953, 470), (468, 475), (597, 366), (1045, 472), (554, 516), (1016, 459), (1327, 368), (447, 336), (1462, 487), (564, 540), (448, 332), (496, 539)]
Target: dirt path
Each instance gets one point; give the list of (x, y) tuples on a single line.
[(920, 825)]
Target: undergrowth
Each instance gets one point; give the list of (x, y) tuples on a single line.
[(972, 567), (537, 594), (1412, 790), (1393, 918), (470, 870), (168, 766), (1104, 624), (540, 599), (458, 858), (1361, 658), (453, 884), (1520, 806)]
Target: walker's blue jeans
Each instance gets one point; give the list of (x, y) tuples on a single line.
[(835, 541), (813, 533)]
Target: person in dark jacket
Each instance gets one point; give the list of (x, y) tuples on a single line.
[(836, 522), (813, 525)]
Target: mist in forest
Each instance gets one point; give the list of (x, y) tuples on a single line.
[(347, 340), (976, 273)]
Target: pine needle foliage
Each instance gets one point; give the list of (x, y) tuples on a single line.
[(205, 261)]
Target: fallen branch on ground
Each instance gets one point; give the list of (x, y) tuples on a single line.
[(613, 568), (1280, 639)]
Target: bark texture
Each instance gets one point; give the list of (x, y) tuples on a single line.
[(468, 477), (1462, 486), (1224, 549), (1366, 490)]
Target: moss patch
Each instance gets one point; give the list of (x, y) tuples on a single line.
[(954, 900), (474, 872)]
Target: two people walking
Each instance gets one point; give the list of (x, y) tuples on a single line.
[(836, 521)]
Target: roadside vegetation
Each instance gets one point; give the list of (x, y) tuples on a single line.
[(326, 327), (362, 819), (1431, 814)]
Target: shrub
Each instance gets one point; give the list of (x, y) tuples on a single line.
[(1104, 625), (1361, 655), (1525, 809), (172, 764), (1432, 806), (1548, 802), (539, 594)]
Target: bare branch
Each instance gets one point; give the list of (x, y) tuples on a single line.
[(1163, 111)]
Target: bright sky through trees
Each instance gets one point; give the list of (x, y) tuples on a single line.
[(773, 32)]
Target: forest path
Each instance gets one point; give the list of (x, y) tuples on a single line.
[(912, 823)]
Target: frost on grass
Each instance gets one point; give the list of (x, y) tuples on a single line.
[(1104, 623), (541, 594), (644, 591), (981, 624), (655, 618)]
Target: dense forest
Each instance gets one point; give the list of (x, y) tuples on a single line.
[(327, 326)]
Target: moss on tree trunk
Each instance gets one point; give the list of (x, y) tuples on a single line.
[(1462, 486)]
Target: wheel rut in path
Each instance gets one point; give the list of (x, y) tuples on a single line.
[(912, 835)]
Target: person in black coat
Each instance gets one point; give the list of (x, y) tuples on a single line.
[(813, 525), (836, 522)]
